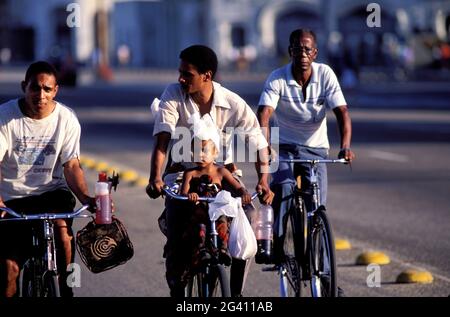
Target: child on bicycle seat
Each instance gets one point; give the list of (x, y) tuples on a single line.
[(205, 180)]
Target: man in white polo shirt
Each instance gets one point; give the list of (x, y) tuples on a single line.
[(299, 93)]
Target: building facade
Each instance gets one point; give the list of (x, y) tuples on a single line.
[(150, 33)]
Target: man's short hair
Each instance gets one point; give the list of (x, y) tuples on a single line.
[(202, 57), (39, 68), (296, 34)]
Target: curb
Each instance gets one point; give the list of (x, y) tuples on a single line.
[(415, 276), (342, 244), (375, 257), (128, 176)]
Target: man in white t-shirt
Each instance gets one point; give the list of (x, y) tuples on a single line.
[(299, 94), (39, 163)]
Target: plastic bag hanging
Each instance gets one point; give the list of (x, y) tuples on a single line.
[(224, 204), (242, 243)]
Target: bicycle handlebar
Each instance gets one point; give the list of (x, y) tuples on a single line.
[(45, 216), (167, 191), (342, 161)]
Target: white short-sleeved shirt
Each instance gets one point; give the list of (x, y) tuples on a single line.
[(302, 121), (228, 112), (32, 152)]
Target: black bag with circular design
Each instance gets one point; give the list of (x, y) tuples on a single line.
[(104, 246)]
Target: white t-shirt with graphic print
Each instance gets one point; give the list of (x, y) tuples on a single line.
[(32, 152)]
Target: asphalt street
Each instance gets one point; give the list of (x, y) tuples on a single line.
[(395, 199)]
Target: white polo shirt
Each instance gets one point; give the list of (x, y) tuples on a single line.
[(302, 121), (228, 112)]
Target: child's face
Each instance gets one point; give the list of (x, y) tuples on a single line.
[(204, 152)]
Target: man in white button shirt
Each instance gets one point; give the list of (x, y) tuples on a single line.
[(299, 94), (196, 92)]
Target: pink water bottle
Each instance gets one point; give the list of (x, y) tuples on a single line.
[(102, 200)]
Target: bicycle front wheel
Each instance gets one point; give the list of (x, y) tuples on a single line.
[(212, 282), (217, 282), (323, 282), (50, 285), (194, 286), (31, 282), (38, 284), (290, 270)]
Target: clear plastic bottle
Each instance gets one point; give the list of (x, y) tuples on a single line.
[(102, 200), (263, 227)]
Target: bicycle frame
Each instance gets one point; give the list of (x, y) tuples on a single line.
[(43, 264)]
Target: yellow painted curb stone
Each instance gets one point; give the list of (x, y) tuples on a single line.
[(129, 176), (101, 167), (372, 257), (142, 182), (88, 162), (342, 244), (415, 276)]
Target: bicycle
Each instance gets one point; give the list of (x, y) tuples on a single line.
[(308, 247), (209, 278), (40, 273)]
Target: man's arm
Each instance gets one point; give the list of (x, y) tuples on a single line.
[(77, 183), (262, 164), (345, 130), (159, 153), (264, 114)]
